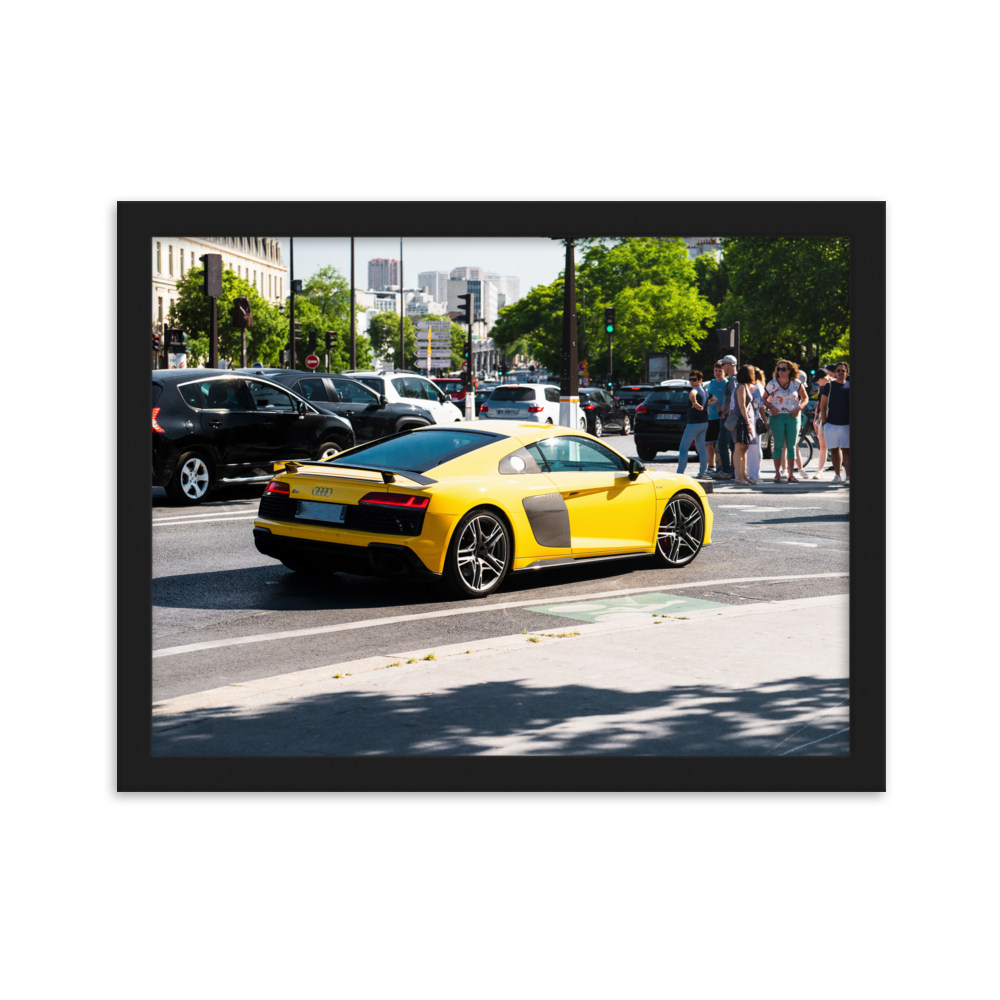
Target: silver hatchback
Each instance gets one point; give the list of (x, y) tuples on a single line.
[(538, 404)]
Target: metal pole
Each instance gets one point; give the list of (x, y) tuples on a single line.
[(569, 393), (243, 351), (470, 393), (402, 344), (354, 342), (213, 351), (737, 344), (291, 289)]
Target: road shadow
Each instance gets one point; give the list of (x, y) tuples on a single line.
[(565, 720), (221, 495), (806, 519)]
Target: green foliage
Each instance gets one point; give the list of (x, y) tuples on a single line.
[(658, 306), (789, 292), (192, 313), (323, 305)]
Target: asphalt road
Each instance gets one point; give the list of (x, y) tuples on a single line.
[(211, 586)]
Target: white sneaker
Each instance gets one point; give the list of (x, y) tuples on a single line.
[(817, 475), (837, 479), (847, 479)]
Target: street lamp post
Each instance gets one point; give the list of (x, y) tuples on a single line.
[(569, 392), (354, 342)]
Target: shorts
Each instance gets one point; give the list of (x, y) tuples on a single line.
[(837, 435), (712, 434), (742, 433)]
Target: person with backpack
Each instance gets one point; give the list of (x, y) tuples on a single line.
[(697, 426)]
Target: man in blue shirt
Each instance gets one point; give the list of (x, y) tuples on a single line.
[(716, 388), (724, 446)]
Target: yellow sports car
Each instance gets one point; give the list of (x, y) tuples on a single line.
[(470, 504)]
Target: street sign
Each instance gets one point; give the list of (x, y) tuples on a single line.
[(465, 366), (436, 325), (434, 362), (312, 362)]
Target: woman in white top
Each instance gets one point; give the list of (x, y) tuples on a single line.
[(786, 398)]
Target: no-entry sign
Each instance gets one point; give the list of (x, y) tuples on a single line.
[(312, 362)]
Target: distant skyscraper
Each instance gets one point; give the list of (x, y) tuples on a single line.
[(467, 274), (436, 282), (383, 272), (507, 285)]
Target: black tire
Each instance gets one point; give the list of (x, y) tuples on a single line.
[(327, 450), (479, 555), (805, 450), (646, 454), (681, 533), (192, 479), (598, 427), (626, 425)]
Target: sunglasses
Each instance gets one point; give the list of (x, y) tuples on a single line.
[(841, 371), (784, 369)]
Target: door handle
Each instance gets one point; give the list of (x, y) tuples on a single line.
[(215, 423)]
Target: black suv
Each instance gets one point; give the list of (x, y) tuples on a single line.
[(632, 395), (660, 420), (215, 427), (371, 415), (603, 412)]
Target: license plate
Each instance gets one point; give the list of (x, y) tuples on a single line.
[(668, 416), (508, 413), (313, 511)]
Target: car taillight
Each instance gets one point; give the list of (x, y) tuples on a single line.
[(534, 408), (396, 500), (275, 487), (587, 406), (156, 426), (641, 408), (484, 408)]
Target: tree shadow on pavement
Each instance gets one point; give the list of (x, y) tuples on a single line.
[(801, 715)]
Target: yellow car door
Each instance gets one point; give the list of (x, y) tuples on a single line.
[(608, 512)]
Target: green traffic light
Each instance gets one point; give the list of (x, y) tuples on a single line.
[(611, 328)]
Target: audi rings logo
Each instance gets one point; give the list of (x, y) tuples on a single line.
[(322, 491)]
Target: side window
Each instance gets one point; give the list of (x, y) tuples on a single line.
[(375, 384), (270, 397), (351, 392), (432, 392), (213, 394), (312, 389), (400, 387), (568, 453), (552, 395), (415, 390)]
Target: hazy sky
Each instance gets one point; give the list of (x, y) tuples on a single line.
[(533, 259)]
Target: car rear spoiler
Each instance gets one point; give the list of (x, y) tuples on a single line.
[(388, 474)]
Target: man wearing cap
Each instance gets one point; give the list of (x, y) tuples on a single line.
[(724, 446)]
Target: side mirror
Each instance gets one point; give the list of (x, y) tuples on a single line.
[(382, 402), (301, 407), (635, 467)]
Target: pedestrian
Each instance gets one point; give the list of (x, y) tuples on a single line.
[(759, 410), (823, 377), (786, 398), (716, 390), (746, 423), (724, 445), (803, 380), (835, 414), (697, 427)]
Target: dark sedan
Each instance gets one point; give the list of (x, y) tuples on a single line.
[(632, 395), (603, 412), (370, 414), (214, 427)]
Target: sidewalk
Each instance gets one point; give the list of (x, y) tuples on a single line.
[(646, 685)]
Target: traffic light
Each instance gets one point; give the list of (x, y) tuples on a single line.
[(609, 320), (312, 341), (297, 286), (157, 343), (465, 309), (329, 340), (298, 332), (211, 278), (176, 341), (814, 368)]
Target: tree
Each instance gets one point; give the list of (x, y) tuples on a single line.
[(658, 306), (325, 304), (383, 330), (789, 293), (192, 313)]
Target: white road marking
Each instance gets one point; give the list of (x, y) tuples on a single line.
[(805, 545), (820, 740), (188, 517), (743, 506), (171, 523), (477, 608)]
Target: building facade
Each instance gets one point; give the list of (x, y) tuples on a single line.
[(383, 272), (436, 283), (467, 274), (697, 245), (508, 287), (257, 259), (485, 302)]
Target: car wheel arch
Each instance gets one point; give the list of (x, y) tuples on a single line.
[(494, 508)]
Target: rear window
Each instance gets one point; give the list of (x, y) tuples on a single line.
[(373, 383), (669, 396), (418, 451), (509, 394), (454, 386), (633, 395)]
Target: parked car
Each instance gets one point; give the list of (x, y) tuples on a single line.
[(632, 395), (535, 403), (213, 427), (603, 412), (660, 419), (410, 387), (371, 415), (470, 505)]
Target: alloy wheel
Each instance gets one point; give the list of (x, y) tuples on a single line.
[(194, 478), (482, 553), (626, 426), (682, 530), (327, 452)]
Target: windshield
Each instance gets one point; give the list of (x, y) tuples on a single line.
[(511, 395), (415, 451), (668, 396)]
